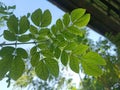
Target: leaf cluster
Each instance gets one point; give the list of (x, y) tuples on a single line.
[(62, 42)]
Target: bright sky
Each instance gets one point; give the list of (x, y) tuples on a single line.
[(25, 6)]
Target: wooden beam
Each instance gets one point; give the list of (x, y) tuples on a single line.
[(99, 21)]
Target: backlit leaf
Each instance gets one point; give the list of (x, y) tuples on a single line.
[(91, 63), (74, 64), (12, 7), (24, 24), (36, 17), (54, 30), (41, 70), (76, 14), (91, 69), (24, 38), (35, 59), (57, 52), (46, 18), (64, 58), (75, 30), (52, 67), (94, 58), (59, 25), (80, 49), (47, 53), (66, 19), (4, 51), (44, 32), (5, 66), (69, 36), (17, 68), (83, 21), (33, 50), (9, 35), (70, 46), (12, 24), (21, 53), (33, 29)]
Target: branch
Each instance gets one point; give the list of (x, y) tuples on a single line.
[(4, 44)]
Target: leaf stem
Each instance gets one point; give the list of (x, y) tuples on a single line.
[(18, 43)]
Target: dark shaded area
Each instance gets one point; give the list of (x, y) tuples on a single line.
[(105, 14)]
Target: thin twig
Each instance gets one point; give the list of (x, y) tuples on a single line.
[(81, 79)]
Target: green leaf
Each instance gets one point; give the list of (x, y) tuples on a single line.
[(35, 59), (91, 63), (60, 37), (17, 68), (41, 70), (80, 49), (4, 51), (62, 44), (52, 67), (33, 50), (46, 18), (75, 30), (83, 21), (76, 14), (12, 7), (9, 35), (5, 64), (71, 46), (12, 24), (24, 24), (66, 19), (64, 58), (91, 69), (33, 29), (36, 17), (74, 64), (24, 38), (54, 30), (21, 53), (47, 53), (94, 58), (57, 52), (69, 36), (59, 25), (44, 32), (43, 45)]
